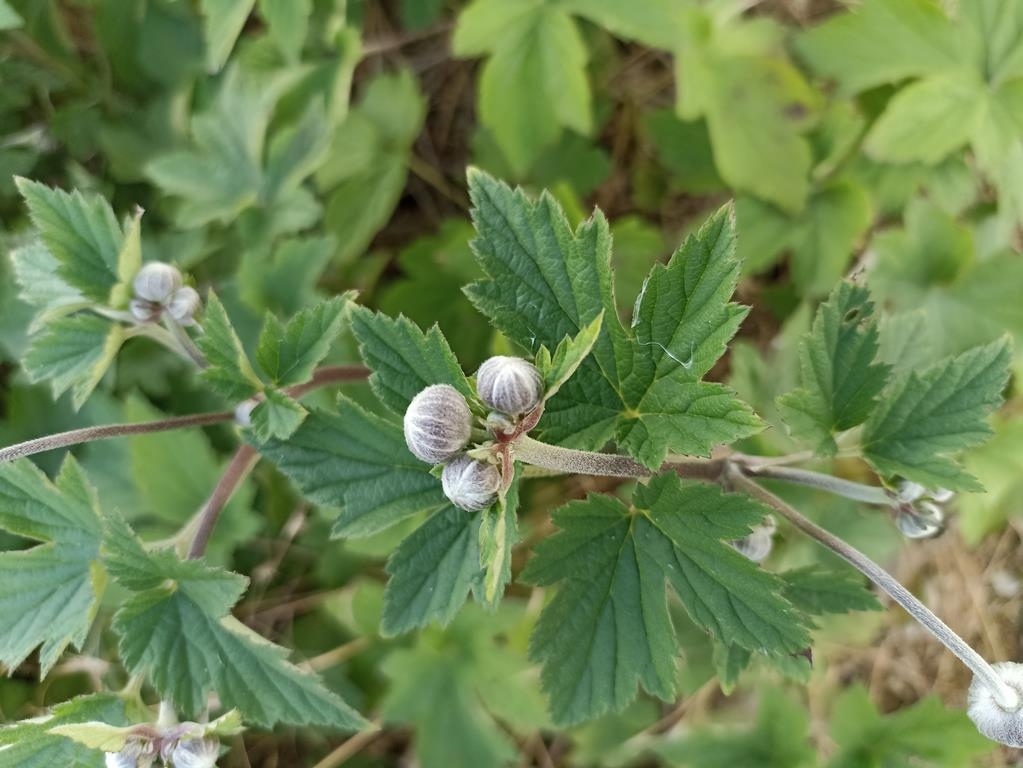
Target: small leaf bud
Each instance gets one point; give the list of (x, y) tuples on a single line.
[(510, 385), (438, 423), (196, 753), (157, 282), (184, 304), (470, 484), (989, 711)]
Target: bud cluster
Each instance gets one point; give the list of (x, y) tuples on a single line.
[(159, 288), (172, 753), (438, 427), (919, 512)]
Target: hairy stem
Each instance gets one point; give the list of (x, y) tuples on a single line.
[(238, 468), (1007, 697), (557, 459), (871, 494), (185, 341), (89, 434)]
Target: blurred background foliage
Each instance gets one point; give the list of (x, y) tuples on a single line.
[(286, 149)]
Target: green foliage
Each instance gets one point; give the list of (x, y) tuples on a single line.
[(49, 592), (608, 628), (546, 282), (31, 744), (840, 378)]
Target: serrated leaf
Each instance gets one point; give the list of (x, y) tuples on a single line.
[(499, 533), (30, 744), (655, 23), (356, 461), (840, 376), (36, 272), (889, 40), (95, 735), (288, 21), (608, 628), (276, 416), (558, 368), (289, 354), (74, 353), (404, 360), (224, 20), (48, 593), (926, 418), (818, 592), (179, 633), (229, 372), (534, 84), (643, 385), (432, 571), (81, 232), (296, 152)]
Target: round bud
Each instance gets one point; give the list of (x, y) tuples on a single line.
[(184, 304), (758, 544), (907, 491), (137, 753), (470, 484), (510, 385), (437, 423), (156, 282), (243, 412), (988, 711), (144, 311), (196, 753), (923, 520), (943, 495)]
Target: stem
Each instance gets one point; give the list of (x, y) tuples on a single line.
[(558, 459), (185, 341), (1006, 696), (241, 464), (88, 434), (871, 494)]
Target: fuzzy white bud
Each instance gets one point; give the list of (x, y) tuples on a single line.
[(923, 520), (470, 484), (908, 492), (157, 282), (988, 712), (759, 543), (438, 423), (510, 385), (184, 304), (196, 753), (137, 753), (145, 311)]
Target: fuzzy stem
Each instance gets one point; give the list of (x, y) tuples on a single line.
[(88, 434), (871, 494), (1007, 697), (241, 464), (558, 459), (185, 341)]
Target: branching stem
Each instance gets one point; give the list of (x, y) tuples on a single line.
[(557, 459), (1006, 696), (871, 494), (238, 468)]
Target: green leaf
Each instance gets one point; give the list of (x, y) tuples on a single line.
[(882, 41), (48, 593), (224, 20), (357, 461), (9, 19), (608, 628), (404, 360), (295, 153), (736, 75), (37, 272), (74, 353), (288, 22), (778, 739), (289, 354), (30, 744), (655, 23), (840, 376), (925, 418), (558, 368), (277, 416), (82, 233), (432, 571), (499, 533), (999, 466), (818, 592), (928, 120), (178, 632), (533, 84), (229, 372), (643, 385), (906, 737)]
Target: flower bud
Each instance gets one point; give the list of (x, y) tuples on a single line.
[(157, 282), (942, 495), (923, 520), (196, 753), (989, 713), (758, 544), (184, 304), (437, 423), (137, 753), (510, 385), (470, 484), (908, 492), (144, 311)]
